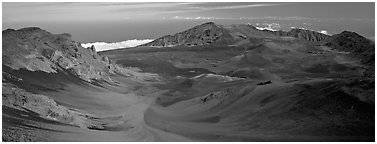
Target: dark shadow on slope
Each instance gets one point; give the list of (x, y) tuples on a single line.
[(15, 117), (39, 81)]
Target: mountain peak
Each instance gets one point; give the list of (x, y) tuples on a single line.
[(209, 23), (203, 34), (30, 29), (358, 45), (33, 30), (351, 34), (348, 32), (24, 30)]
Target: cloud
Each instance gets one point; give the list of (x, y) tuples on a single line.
[(102, 46), (85, 11), (292, 18), (299, 28), (267, 26), (278, 18), (121, 11), (320, 31), (197, 18), (324, 32), (201, 7), (235, 6)]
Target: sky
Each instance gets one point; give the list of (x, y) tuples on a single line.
[(116, 22)]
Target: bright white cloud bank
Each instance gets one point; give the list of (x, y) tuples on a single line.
[(324, 32), (267, 26), (102, 46)]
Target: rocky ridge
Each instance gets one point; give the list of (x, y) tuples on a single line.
[(35, 49)]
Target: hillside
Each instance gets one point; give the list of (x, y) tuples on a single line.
[(355, 44), (35, 49), (50, 81)]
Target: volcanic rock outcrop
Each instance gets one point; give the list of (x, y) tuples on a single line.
[(46, 107), (304, 34), (38, 50)]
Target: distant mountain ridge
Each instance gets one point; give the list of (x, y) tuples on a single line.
[(211, 33), (237, 34)]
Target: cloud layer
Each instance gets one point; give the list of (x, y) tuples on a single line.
[(102, 46), (267, 26), (324, 32)]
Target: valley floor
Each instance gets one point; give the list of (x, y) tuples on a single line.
[(245, 111)]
